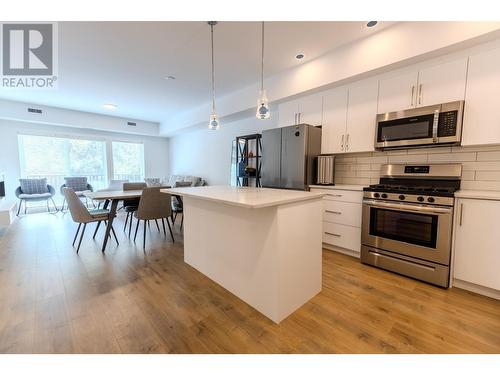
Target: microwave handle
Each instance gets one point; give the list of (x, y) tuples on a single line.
[(435, 125)]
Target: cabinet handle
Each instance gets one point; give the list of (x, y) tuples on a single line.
[(420, 94), (412, 94), (334, 195), (461, 212), (342, 143), (347, 142), (333, 234), (334, 212)]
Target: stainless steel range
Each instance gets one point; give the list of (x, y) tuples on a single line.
[(408, 218)]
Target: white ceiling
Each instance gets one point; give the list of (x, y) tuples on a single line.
[(126, 63)]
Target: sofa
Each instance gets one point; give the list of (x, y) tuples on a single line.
[(195, 181)]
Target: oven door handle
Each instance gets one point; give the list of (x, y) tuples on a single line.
[(407, 207)]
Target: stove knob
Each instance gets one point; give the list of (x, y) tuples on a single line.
[(402, 197), (384, 195), (376, 195), (430, 199), (420, 199)]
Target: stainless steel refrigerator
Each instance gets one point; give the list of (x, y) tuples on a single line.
[(288, 156)]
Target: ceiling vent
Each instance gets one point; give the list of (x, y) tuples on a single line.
[(35, 110), (130, 123)]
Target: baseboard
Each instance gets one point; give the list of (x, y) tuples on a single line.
[(485, 291), (355, 254)]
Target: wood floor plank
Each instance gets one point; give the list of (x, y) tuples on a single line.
[(130, 301)]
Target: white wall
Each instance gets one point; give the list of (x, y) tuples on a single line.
[(401, 44), (155, 148), (18, 111), (207, 153)]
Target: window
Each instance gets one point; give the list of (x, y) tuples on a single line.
[(55, 158), (128, 161)]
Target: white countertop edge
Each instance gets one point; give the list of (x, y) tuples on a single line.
[(339, 187), (192, 193), (478, 194)]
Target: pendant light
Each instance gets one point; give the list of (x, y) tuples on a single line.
[(213, 124), (263, 112)]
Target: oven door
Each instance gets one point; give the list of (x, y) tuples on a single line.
[(414, 230), (405, 131)]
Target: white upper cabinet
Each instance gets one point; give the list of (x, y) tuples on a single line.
[(397, 92), (427, 85), (477, 254), (305, 110), (361, 115), (442, 83), (311, 109), (482, 117), (334, 120), (287, 113)]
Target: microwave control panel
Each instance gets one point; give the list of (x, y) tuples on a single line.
[(447, 126)]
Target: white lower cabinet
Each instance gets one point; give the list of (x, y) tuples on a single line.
[(342, 219), (477, 242)]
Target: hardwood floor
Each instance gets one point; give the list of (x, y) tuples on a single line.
[(127, 301)]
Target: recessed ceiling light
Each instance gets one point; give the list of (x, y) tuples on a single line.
[(300, 56), (110, 106), (170, 77), (371, 23)]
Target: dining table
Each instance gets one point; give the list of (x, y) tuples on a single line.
[(113, 197)]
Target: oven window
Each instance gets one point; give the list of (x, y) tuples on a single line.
[(417, 229), (407, 128)]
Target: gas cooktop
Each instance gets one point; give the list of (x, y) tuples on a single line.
[(441, 191)]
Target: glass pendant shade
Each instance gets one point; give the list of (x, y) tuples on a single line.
[(214, 122), (263, 106)]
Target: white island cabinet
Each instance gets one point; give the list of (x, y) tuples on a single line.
[(263, 245)]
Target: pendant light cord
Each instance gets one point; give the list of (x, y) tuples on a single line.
[(262, 61), (213, 74)]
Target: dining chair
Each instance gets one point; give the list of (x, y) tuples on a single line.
[(82, 215), (154, 205), (131, 205)]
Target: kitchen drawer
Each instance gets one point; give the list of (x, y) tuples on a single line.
[(345, 213), (344, 236), (342, 195)]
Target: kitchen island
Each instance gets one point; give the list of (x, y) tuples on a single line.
[(263, 245)]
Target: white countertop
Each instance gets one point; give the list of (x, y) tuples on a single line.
[(247, 197), (339, 187), (478, 194)]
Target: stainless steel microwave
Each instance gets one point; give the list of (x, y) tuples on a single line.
[(433, 125)]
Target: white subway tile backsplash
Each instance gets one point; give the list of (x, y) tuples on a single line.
[(468, 175), (488, 156), (481, 165), (452, 157), (356, 181), (428, 150), (476, 148), (372, 159), (408, 159), (480, 185), (370, 174), (488, 175), (362, 167)]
